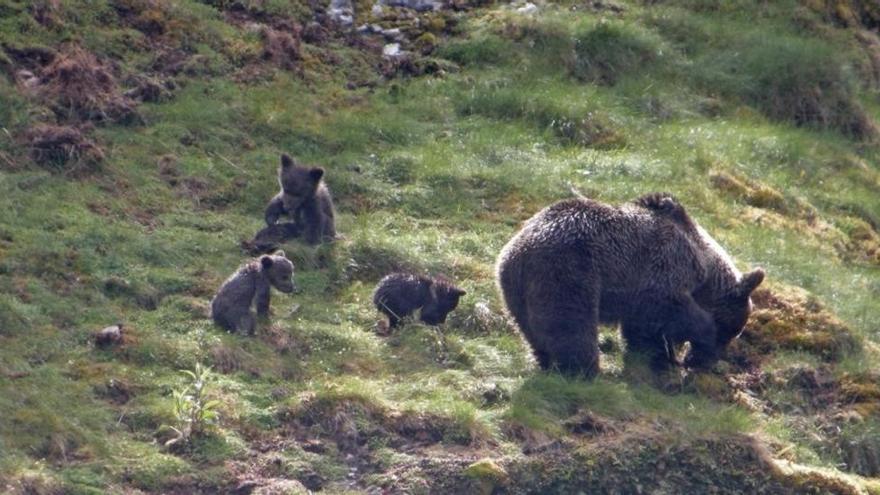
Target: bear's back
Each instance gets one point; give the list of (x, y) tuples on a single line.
[(627, 246)]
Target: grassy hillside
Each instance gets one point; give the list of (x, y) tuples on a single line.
[(138, 146)]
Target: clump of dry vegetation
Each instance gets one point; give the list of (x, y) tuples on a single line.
[(60, 147), (82, 88), (754, 194), (792, 320), (281, 47)]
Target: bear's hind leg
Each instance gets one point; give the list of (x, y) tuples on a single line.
[(246, 324), (563, 321)]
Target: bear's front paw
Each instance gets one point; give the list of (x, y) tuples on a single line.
[(699, 361)]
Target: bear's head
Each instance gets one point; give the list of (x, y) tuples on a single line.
[(299, 183), (279, 271), (731, 310), (443, 299)]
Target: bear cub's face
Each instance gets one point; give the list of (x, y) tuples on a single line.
[(279, 271), (732, 311), (444, 299), (298, 183)]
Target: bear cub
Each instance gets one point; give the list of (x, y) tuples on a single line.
[(250, 286), (305, 200), (399, 295)]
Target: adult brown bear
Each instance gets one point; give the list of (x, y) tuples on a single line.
[(646, 265)]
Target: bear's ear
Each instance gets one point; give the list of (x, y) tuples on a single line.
[(266, 262), (750, 281), (286, 161), (458, 292), (316, 173), (280, 253)]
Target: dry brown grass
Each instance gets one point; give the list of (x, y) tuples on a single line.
[(63, 148), (79, 87)]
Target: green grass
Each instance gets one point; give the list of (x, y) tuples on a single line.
[(432, 174), (544, 401)]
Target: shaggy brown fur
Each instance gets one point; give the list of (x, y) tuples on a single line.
[(399, 295), (250, 286), (645, 264), (305, 199)]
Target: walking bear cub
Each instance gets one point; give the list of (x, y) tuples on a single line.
[(251, 285), (305, 199), (400, 294), (646, 265)]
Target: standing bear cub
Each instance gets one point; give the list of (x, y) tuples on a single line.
[(400, 294), (305, 199), (251, 286), (646, 265)]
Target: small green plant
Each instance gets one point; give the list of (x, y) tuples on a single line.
[(193, 411)]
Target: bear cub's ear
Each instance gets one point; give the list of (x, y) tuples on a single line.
[(286, 161), (750, 282), (458, 292), (280, 253), (266, 262), (316, 173)]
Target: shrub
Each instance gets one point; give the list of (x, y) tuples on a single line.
[(64, 148), (608, 51), (791, 79), (479, 51), (570, 126)]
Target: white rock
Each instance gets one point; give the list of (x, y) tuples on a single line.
[(392, 34), (528, 8), (391, 50), (342, 11)]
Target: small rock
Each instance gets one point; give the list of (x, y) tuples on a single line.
[(341, 11), (281, 487), (528, 9), (393, 34), (391, 50), (314, 446), (488, 476), (312, 480), (246, 487), (314, 33), (27, 79), (417, 5)]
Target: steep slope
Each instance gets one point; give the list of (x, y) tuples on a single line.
[(139, 145)]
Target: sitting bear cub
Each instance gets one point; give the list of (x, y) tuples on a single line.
[(400, 294), (305, 199), (251, 285), (646, 265)]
